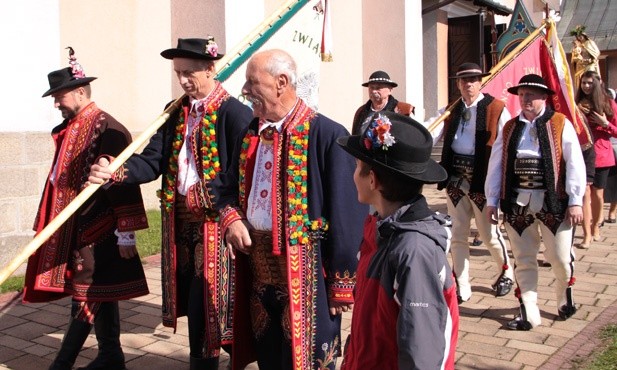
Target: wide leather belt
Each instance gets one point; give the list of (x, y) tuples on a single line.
[(529, 173), (182, 212), (463, 166), (266, 267)]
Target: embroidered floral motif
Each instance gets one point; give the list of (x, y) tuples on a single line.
[(377, 135), (552, 221), (454, 193), (519, 220), (478, 199), (330, 354)]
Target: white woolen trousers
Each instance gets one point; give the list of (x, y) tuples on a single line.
[(490, 235), (558, 251)]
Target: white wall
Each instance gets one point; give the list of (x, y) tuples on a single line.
[(30, 36)]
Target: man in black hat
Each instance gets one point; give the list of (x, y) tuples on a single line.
[(405, 309), (537, 177), (92, 256), (380, 99), (190, 150), (469, 133)]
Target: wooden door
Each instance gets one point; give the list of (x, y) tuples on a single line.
[(465, 44)]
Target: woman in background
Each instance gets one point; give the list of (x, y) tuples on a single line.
[(599, 111)]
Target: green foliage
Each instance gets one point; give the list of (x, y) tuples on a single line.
[(607, 358), (149, 240), (148, 243), (12, 284)]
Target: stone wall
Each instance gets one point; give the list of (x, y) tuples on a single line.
[(25, 160)]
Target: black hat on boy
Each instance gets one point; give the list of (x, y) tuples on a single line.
[(466, 70), (380, 77), (205, 49), (69, 77), (396, 143), (532, 81)]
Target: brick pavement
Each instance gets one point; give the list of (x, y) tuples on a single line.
[(30, 334)]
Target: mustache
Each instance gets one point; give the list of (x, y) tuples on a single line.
[(251, 99)]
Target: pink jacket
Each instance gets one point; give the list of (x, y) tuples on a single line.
[(602, 142)]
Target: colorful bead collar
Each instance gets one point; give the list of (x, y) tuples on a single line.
[(301, 228), (210, 163)]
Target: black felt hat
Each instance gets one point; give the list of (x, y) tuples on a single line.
[(380, 77), (397, 143), (466, 70), (64, 79), (205, 49), (532, 81)]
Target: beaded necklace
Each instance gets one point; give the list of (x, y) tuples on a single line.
[(301, 228), (209, 153)]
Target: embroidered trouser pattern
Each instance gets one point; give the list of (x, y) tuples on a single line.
[(271, 326), (525, 242), (190, 271), (462, 211)]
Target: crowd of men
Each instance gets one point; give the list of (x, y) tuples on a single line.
[(267, 233)]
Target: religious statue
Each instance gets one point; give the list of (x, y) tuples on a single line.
[(585, 53)]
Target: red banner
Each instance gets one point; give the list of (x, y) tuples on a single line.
[(528, 61), (556, 73)]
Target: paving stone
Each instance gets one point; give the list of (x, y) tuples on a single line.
[(472, 337), (148, 309), (17, 310), (161, 348), (28, 362), (149, 321), (137, 340), (7, 354), (48, 318), (10, 341), (472, 361), (487, 350), (31, 330), (155, 362), (531, 359), (9, 321), (39, 350), (556, 340), (532, 347)]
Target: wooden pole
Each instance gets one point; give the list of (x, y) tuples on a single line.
[(258, 36)]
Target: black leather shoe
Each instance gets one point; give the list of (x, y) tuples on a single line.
[(502, 286), (519, 324), (565, 311)]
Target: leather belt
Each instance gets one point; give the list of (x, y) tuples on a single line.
[(463, 166), (529, 173), (182, 212), (266, 267)]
